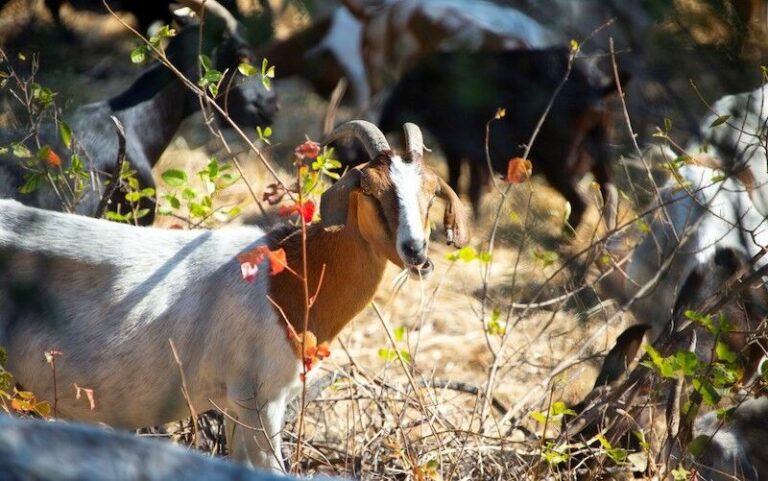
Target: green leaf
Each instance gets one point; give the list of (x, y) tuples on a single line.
[(720, 120), (465, 254), (139, 54), (141, 213), (174, 177), (387, 355), (539, 417), (667, 124), (205, 62), (31, 183), (699, 444), (724, 353), (400, 333), (133, 196), (234, 211), (246, 69), (546, 257), (21, 151), (66, 134), (166, 32), (559, 408), (112, 215)]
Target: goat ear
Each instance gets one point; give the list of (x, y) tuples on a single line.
[(334, 203), (621, 355), (455, 217)]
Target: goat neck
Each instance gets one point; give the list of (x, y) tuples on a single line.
[(152, 110), (327, 249)]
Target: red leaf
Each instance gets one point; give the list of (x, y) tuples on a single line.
[(307, 149), (518, 170), (249, 271), (286, 210), (308, 211)]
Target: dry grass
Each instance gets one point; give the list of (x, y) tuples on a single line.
[(384, 419)]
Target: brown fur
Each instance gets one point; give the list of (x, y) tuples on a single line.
[(334, 307)]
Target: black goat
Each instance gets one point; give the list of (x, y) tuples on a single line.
[(453, 95), (151, 111)]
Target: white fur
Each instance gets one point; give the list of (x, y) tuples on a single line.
[(407, 180), (344, 40), (707, 216), (110, 296), (36, 449), (740, 142)]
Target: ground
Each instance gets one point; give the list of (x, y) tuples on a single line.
[(377, 427)]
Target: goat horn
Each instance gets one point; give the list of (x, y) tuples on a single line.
[(368, 134), (414, 142), (215, 8)]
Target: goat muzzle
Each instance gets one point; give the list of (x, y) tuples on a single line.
[(421, 271)]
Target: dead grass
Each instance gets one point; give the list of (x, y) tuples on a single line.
[(372, 423)]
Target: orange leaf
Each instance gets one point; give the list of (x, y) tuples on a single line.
[(323, 351), (310, 343), (53, 158), (277, 261), (518, 170)]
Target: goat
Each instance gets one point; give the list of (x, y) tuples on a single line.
[(454, 95), (702, 215), (706, 234), (323, 54), (373, 47), (151, 111), (738, 145), (397, 36), (93, 290), (35, 449)]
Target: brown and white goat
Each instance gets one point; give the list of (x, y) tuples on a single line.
[(372, 47), (110, 296)]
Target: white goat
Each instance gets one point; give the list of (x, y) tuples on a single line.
[(702, 213), (739, 144), (45, 451), (110, 296)]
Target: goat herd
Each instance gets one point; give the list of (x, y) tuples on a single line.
[(111, 295)]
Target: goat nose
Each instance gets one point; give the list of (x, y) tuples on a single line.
[(414, 250)]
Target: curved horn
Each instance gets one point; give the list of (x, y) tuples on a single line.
[(414, 142), (368, 134), (215, 8)]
